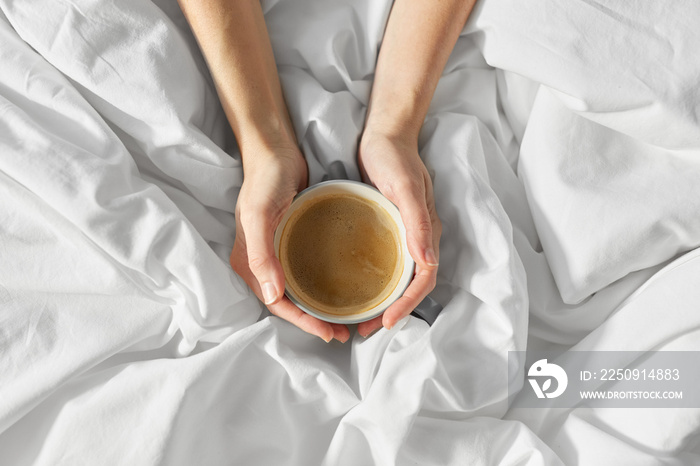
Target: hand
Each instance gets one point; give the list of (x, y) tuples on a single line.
[(271, 180), (392, 164)]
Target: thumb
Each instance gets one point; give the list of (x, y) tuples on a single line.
[(419, 228), (262, 260)]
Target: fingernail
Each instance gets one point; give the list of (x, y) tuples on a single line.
[(430, 258), (373, 331), (388, 324), (327, 340), (269, 292)]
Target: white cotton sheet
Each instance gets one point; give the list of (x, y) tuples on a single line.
[(610, 156), (126, 338)]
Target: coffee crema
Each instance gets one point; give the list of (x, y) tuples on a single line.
[(341, 254)]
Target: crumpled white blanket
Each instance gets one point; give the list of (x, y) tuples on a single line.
[(563, 141)]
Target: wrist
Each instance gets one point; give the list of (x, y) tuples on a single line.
[(266, 138), (268, 127), (396, 117), (263, 155), (379, 132)]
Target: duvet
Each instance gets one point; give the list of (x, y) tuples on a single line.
[(564, 145)]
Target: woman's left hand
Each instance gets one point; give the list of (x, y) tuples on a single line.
[(393, 165)]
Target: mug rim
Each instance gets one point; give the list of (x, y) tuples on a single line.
[(408, 263)]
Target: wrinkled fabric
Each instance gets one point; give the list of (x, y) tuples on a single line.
[(562, 142)]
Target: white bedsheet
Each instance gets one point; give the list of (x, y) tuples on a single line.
[(563, 141)]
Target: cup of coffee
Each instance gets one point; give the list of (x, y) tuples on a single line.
[(342, 246)]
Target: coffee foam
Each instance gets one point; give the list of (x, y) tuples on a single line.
[(341, 254)]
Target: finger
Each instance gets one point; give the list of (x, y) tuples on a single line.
[(434, 219), (239, 260), (263, 263), (422, 284), (286, 310), (437, 229), (341, 332), (415, 215), (366, 328)]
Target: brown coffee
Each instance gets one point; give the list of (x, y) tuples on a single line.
[(341, 254)]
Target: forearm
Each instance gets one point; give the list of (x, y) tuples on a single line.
[(234, 40), (418, 40)]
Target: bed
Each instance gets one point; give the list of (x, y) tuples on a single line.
[(564, 145)]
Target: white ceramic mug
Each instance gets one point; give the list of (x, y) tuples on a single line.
[(369, 193)]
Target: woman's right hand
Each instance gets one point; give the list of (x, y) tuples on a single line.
[(272, 177)]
